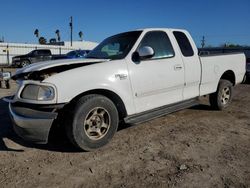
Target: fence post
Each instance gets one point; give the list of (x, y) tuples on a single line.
[(8, 55)]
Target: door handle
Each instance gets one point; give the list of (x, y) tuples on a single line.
[(177, 67)]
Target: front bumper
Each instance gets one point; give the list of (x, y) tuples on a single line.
[(32, 125)]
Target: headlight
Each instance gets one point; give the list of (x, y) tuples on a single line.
[(16, 58), (37, 92)]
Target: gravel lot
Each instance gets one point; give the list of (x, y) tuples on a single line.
[(196, 147)]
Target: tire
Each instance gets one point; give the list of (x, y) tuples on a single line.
[(94, 122), (25, 63), (223, 96)]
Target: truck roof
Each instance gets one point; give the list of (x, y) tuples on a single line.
[(163, 29)]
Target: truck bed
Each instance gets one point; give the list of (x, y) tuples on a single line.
[(215, 65)]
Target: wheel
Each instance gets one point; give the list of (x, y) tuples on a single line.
[(223, 96), (25, 63), (94, 122)]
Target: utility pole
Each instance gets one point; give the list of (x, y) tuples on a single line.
[(203, 42), (71, 30)]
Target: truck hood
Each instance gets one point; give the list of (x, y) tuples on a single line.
[(21, 56), (34, 71)]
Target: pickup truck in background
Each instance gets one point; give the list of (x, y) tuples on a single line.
[(132, 77), (32, 57), (39, 55)]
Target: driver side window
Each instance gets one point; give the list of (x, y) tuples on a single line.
[(159, 41)]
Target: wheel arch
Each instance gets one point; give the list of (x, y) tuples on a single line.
[(229, 75), (115, 98)]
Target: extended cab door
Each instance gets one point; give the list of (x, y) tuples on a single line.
[(190, 58), (159, 80), (46, 55)]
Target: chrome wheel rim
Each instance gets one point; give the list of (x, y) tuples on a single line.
[(97, 123), (225, 96), (24, 63)]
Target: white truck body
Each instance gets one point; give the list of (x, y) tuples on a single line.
[(148, 85), (143, 86)]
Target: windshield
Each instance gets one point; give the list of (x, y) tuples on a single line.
[(115, 47)]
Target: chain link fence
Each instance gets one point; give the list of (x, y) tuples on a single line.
[(9, 50)]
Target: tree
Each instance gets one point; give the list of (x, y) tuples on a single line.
[(58, 35), (230, 45), (36, 33), (42, 40), (80, 35)]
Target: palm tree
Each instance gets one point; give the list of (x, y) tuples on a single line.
[(80, 35), (58, 35), (42, 40), (36, 33)]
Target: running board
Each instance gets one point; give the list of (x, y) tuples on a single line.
[(158, 112)]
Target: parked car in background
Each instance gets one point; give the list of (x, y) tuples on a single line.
[(32, 57), (36, 56), (77, 54)]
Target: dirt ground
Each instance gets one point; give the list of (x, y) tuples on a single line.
[(196, 147)]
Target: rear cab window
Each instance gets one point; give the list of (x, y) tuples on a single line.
[(184, 43), (45, 52)]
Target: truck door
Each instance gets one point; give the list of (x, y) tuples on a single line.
[(191, 62), (37, 56), (46, 55), (159, 80)]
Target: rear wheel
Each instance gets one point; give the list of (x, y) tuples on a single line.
[(94, 122), (223, 96)]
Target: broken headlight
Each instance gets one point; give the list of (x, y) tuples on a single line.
[(38, 92)]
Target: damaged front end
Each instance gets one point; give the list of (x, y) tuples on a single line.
[(34, 108), (41, 75)]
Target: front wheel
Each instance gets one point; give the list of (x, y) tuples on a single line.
[(25, 63), (94, 122), (223, 96)]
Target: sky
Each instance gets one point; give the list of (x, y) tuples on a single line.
[(220, 21)]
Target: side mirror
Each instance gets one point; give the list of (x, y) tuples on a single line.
[(146, 52)]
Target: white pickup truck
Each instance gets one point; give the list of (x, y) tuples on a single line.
[(133, 77)]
